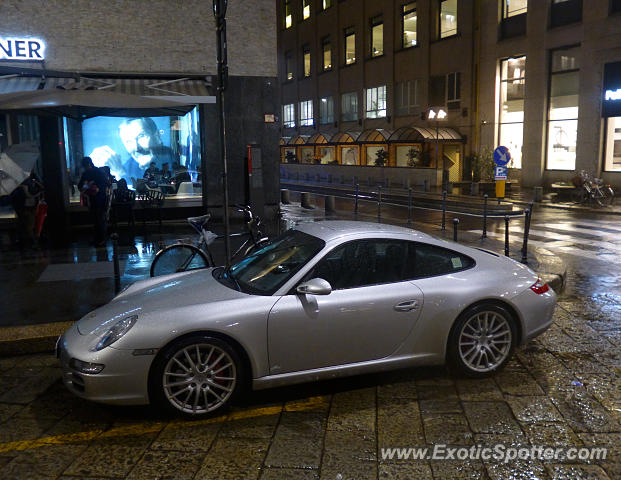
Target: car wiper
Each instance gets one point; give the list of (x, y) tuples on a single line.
[(228, 274)]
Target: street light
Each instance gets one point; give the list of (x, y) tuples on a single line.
[(439, 114)]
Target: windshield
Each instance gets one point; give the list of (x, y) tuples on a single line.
[(266, 270)]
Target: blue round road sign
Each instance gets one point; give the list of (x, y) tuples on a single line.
[(501, 156)]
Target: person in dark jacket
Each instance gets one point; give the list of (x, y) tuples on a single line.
[(93, 184)]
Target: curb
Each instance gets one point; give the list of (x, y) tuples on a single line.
[(29, 339)]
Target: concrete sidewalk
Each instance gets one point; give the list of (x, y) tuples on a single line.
[(46, 290)]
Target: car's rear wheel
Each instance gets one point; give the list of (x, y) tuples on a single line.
[(196, 375), (482, 340)]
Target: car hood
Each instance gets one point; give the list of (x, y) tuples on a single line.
[(159, 293)]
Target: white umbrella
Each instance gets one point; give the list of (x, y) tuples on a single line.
[(16, 163)]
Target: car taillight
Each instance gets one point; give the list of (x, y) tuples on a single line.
[(539, 287)]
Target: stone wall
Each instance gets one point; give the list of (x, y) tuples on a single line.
[(176, 36)]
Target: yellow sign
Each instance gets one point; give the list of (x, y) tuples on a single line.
[(500, 188)]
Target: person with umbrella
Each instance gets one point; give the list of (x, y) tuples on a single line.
[(93, 185)]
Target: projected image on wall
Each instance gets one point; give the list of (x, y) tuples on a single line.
[(152, 150)]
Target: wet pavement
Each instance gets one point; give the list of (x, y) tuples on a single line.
[(561, 390)]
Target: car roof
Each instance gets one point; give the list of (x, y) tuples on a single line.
[(332, 229)]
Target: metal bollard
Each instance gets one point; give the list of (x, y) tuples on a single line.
[(527, 217), (329, 207), (115, 260), (409, 205), (507, 235), (444, 210), (426, 185), (455, 223), (285, 196), (484, 216), (305, 200), (379, 202), (356, 200)]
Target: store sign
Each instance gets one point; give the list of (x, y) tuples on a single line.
[(611, 94), (26, 49)]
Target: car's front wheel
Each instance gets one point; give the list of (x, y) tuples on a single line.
[(196, 375), (482, 340)]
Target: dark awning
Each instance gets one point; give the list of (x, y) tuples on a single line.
[(424, 134), (144, 87), (17, 83)]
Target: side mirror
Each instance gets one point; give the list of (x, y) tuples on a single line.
[(315, 286)]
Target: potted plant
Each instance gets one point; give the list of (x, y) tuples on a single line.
[(413, 157), (380, 157), (290, 157)]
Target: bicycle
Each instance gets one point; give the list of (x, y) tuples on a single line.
[(182, 257), (591, 190)]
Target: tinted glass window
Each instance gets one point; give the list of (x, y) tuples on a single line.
[(372, 262)]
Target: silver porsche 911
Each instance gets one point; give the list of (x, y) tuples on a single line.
[(323, 300)]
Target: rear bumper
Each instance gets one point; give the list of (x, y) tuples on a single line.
[(537, 312)]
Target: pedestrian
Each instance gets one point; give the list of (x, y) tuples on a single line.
[(93, 184), (24, 200)]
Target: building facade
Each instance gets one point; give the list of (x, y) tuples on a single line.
[(540, 77), (156, 48)]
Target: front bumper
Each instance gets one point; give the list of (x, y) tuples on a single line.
[(123, 380)]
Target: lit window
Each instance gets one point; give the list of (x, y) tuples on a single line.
[(408, 24), (377, 37), (326, 110), (289, 65), (448, 18), (306, 113), (288, 115), (350, 46), (511, 8), (349, 107), (563, 109), (325, 4), (612, 162), (511, 116), (406, 97), (307, 61), (376, 102), (326, 48), (305, 9), (288, 14)]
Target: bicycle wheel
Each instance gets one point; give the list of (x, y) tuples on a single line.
[(178, 258), (578, 195), (608, 195)]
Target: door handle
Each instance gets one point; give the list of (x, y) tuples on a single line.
[(406, 306)]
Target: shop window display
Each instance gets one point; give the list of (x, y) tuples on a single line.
[(168, 147), (612, 161)]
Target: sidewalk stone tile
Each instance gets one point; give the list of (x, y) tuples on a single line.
[(516, 470), (580, 363), (32, 386), (48, 461), (25, 426), (349, 471), (447, 428), (407, 470), (405, 389), (302, 424), (186, 438), (289, 474), (517, 383), (450, 470), (552, 434), (477, 390), (170, 465), (290, 452), (350, 454), (611, 441), (491, 417), (583, 413), (234, 459), (604, 387), (574, 472), (8, 410), (399, 423), (262, 426), (437, 392), (534, 409), (353, 411), (441, 406), (113, 457)]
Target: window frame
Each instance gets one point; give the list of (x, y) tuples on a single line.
[(401, 108), (305, 120), (288, 115), (326, 42), (287, 8), (505, 81), (349, 32), (505, 10), (306, 50), (454, 102), (442, 35), (289, 74), (404, 13), (344, 111), (375, 22), (306, 10), (329, 110), (375, 94)]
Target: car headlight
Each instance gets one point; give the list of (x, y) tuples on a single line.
[(116, 331)]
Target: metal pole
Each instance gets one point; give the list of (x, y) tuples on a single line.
[(409, 205), (455, 223), (219, 11), (527, 217), (115, 261), (485, 216), (507, 235), (444, 210), (356, 200), (379, 202)]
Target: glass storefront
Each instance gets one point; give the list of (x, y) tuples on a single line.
[(161, 152), (307, 154), (511, 117), (373, 154), (349, 155), (612, 159), (409, 156), (327, 155)]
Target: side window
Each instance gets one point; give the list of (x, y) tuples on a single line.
[(363, 262), (429, 261)]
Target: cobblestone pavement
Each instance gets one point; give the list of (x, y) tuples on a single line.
[(560, 390)]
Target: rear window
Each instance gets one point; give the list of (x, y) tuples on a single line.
[(430, 261)]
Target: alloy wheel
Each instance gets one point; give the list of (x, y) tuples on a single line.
[(485, 341)]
